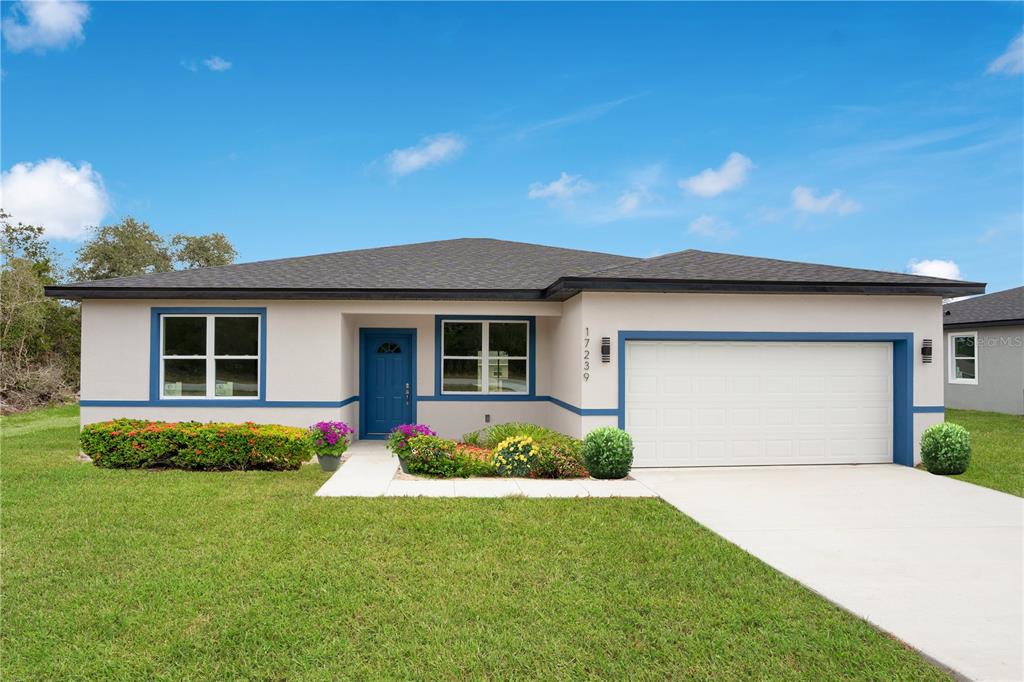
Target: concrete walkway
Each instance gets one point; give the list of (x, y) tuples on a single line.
[(934, 561), (370, 470)]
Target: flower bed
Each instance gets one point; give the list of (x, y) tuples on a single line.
[(518, 450), (140, 444)]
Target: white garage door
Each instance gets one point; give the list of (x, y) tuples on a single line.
[(717, 403)]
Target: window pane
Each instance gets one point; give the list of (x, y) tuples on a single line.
[(507, 376), (507, 338), (236, 336), (184, 336), (463, 338), (963, 346), (461, 375), (185, 377), (237, 378), (965, 369)]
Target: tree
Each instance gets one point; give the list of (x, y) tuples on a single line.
[(122, 250), (39, 337), (202, 251)]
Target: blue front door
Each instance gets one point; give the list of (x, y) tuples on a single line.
[(388, 385)]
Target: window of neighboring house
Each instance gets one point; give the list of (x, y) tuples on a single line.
[(485, 356), (963, 358), (209, 356)]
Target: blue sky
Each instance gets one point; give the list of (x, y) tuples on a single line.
[(874, 135)]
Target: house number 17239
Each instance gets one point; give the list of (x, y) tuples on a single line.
[(586, 353)]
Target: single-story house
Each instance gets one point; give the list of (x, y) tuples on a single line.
[(985, 351), (705, 358)]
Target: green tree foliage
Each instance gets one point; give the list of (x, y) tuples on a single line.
[(122, 250), (39, 345), (204, 251)]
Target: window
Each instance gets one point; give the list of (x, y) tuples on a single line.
[(963, 358), (209, 356), (485, 357)]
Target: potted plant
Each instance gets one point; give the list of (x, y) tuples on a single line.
[(398, 440), (330, 441)]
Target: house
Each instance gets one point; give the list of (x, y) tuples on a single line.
[(985, 351), (705, 358)]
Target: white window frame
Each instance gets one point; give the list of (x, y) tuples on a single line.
[(951, 344), (211, 358), (485, 357)]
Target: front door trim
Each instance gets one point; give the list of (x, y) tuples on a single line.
[(365, 333)]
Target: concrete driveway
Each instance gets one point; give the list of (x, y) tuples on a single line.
[(934, 561)]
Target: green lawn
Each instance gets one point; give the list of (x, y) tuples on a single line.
[(173, 575), (997, 459)]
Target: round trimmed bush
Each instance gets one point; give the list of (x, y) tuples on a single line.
[(946, 448), (608, 452)]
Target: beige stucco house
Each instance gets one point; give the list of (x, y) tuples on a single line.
[(706, 358)]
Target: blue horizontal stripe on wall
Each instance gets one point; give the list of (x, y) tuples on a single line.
[(585, 412), (919, 409), (582, 411), (218, 403)]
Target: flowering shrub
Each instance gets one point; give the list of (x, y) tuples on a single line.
[(138, 444), (433, 456), (560, 459), (398, 439), (515, 456), (330, 438)]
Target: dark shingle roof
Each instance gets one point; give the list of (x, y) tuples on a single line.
[(709, 266), (450, 264), (492, 268), (999, 307)]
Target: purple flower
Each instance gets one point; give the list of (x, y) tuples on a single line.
[(331, 433)]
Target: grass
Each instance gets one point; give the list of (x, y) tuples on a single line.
[(997, 459), (174, 575)]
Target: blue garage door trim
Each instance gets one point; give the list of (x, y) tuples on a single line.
[(902, 370)]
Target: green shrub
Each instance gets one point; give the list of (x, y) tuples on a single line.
[(398, 440), (501, 432), (608, 452), (474, 438), (443, 458), (946, 448), (515, 456), (562, 459), (138, 444)]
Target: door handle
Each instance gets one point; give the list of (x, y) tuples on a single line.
[(407, 394)]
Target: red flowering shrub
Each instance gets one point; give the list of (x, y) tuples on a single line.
[(138, 444)]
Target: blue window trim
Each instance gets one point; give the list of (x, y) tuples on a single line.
[(531, 362), (902, 370), (154, 358), (364, 334), (218, 403)]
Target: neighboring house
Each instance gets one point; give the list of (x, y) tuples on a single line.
[(985, 350), (705, 358)]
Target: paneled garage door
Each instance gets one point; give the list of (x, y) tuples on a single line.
[(717, 403)]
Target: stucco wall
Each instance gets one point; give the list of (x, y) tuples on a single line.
[(1000, 363)]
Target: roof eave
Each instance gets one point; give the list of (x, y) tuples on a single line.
[(569, 286), (1014, 322), (79, 293)]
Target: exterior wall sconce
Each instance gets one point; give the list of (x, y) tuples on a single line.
[(926, 351), (606, 349)]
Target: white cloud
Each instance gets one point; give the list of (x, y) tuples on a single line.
[(805, 200), (430, 151), (216, 63), (710, 226), (56, 195), (44, 24), (629, 201), (586, 114), (946, 269), (564, 188), (710, 182), (213, 63), (1011, 62)]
